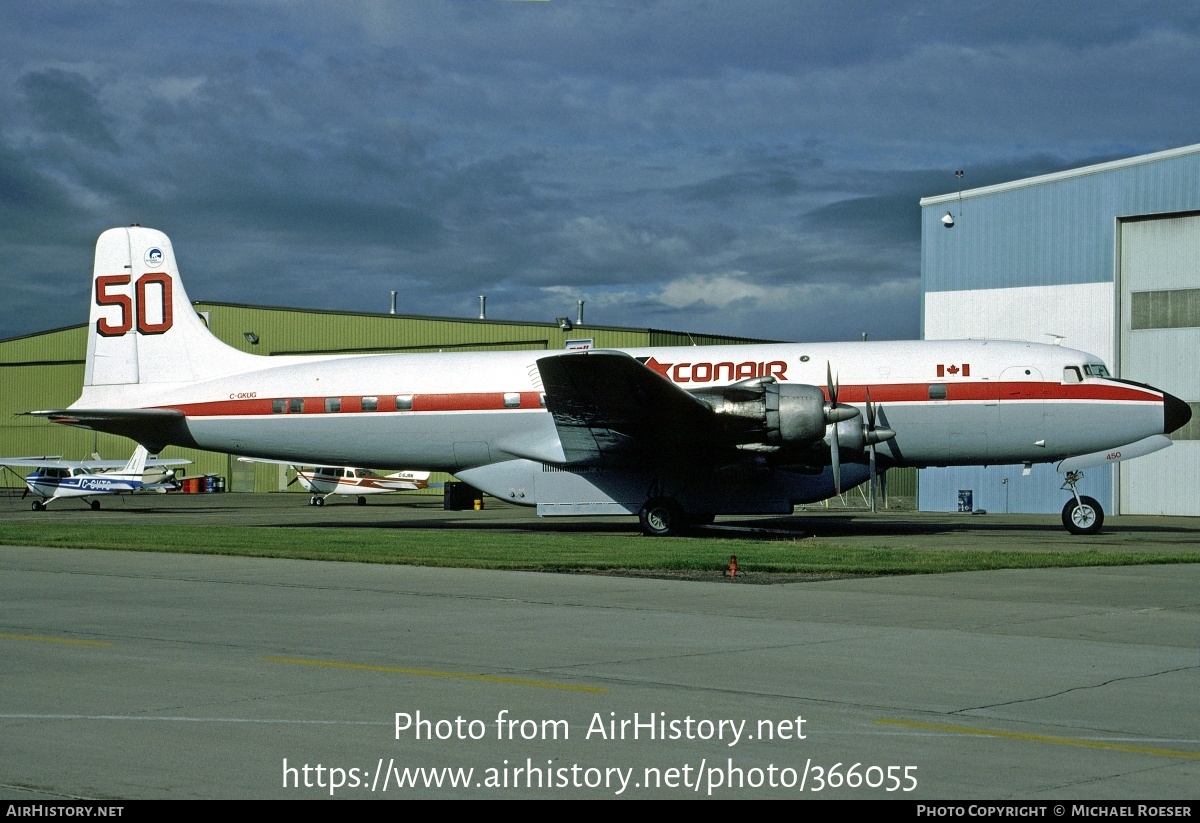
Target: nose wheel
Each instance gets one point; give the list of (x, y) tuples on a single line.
[(1081, 514)]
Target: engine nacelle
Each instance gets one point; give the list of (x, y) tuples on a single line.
[(761, 414)]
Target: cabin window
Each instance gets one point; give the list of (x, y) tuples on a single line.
[(1071, 374), (296, 405), (512, 400), (333, 404), (370, 404), (404, 402), (278, 406), (937, 391)]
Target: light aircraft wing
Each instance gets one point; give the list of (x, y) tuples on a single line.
[(608, 407), (47, 462), (399, 478), (55, 462), (292, 463)]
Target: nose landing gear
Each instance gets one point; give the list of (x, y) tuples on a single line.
[(1081, 514)]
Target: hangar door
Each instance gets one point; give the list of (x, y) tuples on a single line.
[(1159, 273)]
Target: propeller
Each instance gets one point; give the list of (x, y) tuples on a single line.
[(835, 414), (873, 435)]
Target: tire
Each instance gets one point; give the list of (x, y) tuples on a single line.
[(320, 501), (1083, 519), (39, 506), (95, 505), (661, 517)]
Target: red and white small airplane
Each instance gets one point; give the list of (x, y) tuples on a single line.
[(674, 435), (326, 481), (54, 478)]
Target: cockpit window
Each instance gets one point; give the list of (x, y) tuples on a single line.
[(1071, 374), (1096, 370)]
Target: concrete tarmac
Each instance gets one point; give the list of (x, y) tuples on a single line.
[(132, 675)]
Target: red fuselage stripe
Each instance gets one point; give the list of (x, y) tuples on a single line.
[(500, 401)]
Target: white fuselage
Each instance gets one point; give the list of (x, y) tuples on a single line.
[(993, 402)]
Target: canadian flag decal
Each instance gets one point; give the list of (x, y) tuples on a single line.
[(954, 371)]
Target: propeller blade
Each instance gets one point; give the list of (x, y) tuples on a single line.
[(836, 460), (871, 481)]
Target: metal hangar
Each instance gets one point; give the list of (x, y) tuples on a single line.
[(1104, 258)]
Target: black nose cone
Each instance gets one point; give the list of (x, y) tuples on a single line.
[(1176, 413)]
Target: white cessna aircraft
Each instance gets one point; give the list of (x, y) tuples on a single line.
[(53, 478), (326, 481), (675, 435)]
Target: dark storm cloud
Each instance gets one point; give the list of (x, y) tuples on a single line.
[(65, 103), (749, 167)]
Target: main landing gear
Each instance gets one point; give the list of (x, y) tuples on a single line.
[(664, 517), (1081, 514), (661, 517), (316, 501)]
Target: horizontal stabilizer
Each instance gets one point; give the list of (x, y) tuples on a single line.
[(152, 428)]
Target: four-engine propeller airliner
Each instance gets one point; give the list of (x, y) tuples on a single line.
[(675, 435), (54, 478)]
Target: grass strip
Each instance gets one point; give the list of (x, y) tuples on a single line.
[(553, 551)]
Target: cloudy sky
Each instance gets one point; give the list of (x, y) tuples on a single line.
[(749, 167)]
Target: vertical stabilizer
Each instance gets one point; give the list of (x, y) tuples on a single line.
[(142, 326), (137, 464)]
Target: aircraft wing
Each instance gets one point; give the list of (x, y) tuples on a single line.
[(56, 462), (153, 428), (608, 408), (47, 462), (104, 465)]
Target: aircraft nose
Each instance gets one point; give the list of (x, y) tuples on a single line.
[(1176, 413)]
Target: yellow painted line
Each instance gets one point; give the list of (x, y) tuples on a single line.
[(487, 678), (66, 640), (1041, 738)]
